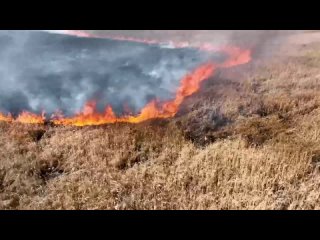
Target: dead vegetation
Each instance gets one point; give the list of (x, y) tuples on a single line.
[(251, 142)]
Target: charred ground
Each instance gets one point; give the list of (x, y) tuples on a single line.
[(248, 140)]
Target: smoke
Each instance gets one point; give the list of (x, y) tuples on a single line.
[(44, 71), (264, 43)]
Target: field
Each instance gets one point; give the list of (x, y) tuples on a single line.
[(249, 139)]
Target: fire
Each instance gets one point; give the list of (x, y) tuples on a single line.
[(189, 85), (24, 117), (88, 116), (6, 118), (31, 118)]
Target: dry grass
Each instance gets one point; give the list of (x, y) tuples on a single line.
[(251, 142)]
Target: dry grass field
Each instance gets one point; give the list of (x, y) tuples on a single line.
[(250, 139)]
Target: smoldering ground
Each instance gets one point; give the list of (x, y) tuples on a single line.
[(45, 71)]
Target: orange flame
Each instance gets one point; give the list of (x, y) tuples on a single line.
[(24, 117), (88, 116), (31, 118), (189, 85), (6, 118), (154, 109)]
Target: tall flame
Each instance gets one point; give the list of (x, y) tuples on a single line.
[(32, 118), (154, 109)]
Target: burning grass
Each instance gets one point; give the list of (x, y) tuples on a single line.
[(154, 109), (245, 143)]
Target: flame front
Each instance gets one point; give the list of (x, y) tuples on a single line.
[(154, 109), (31, 118), (24, 117), (6, 118), (88, 116), (189, 85)]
